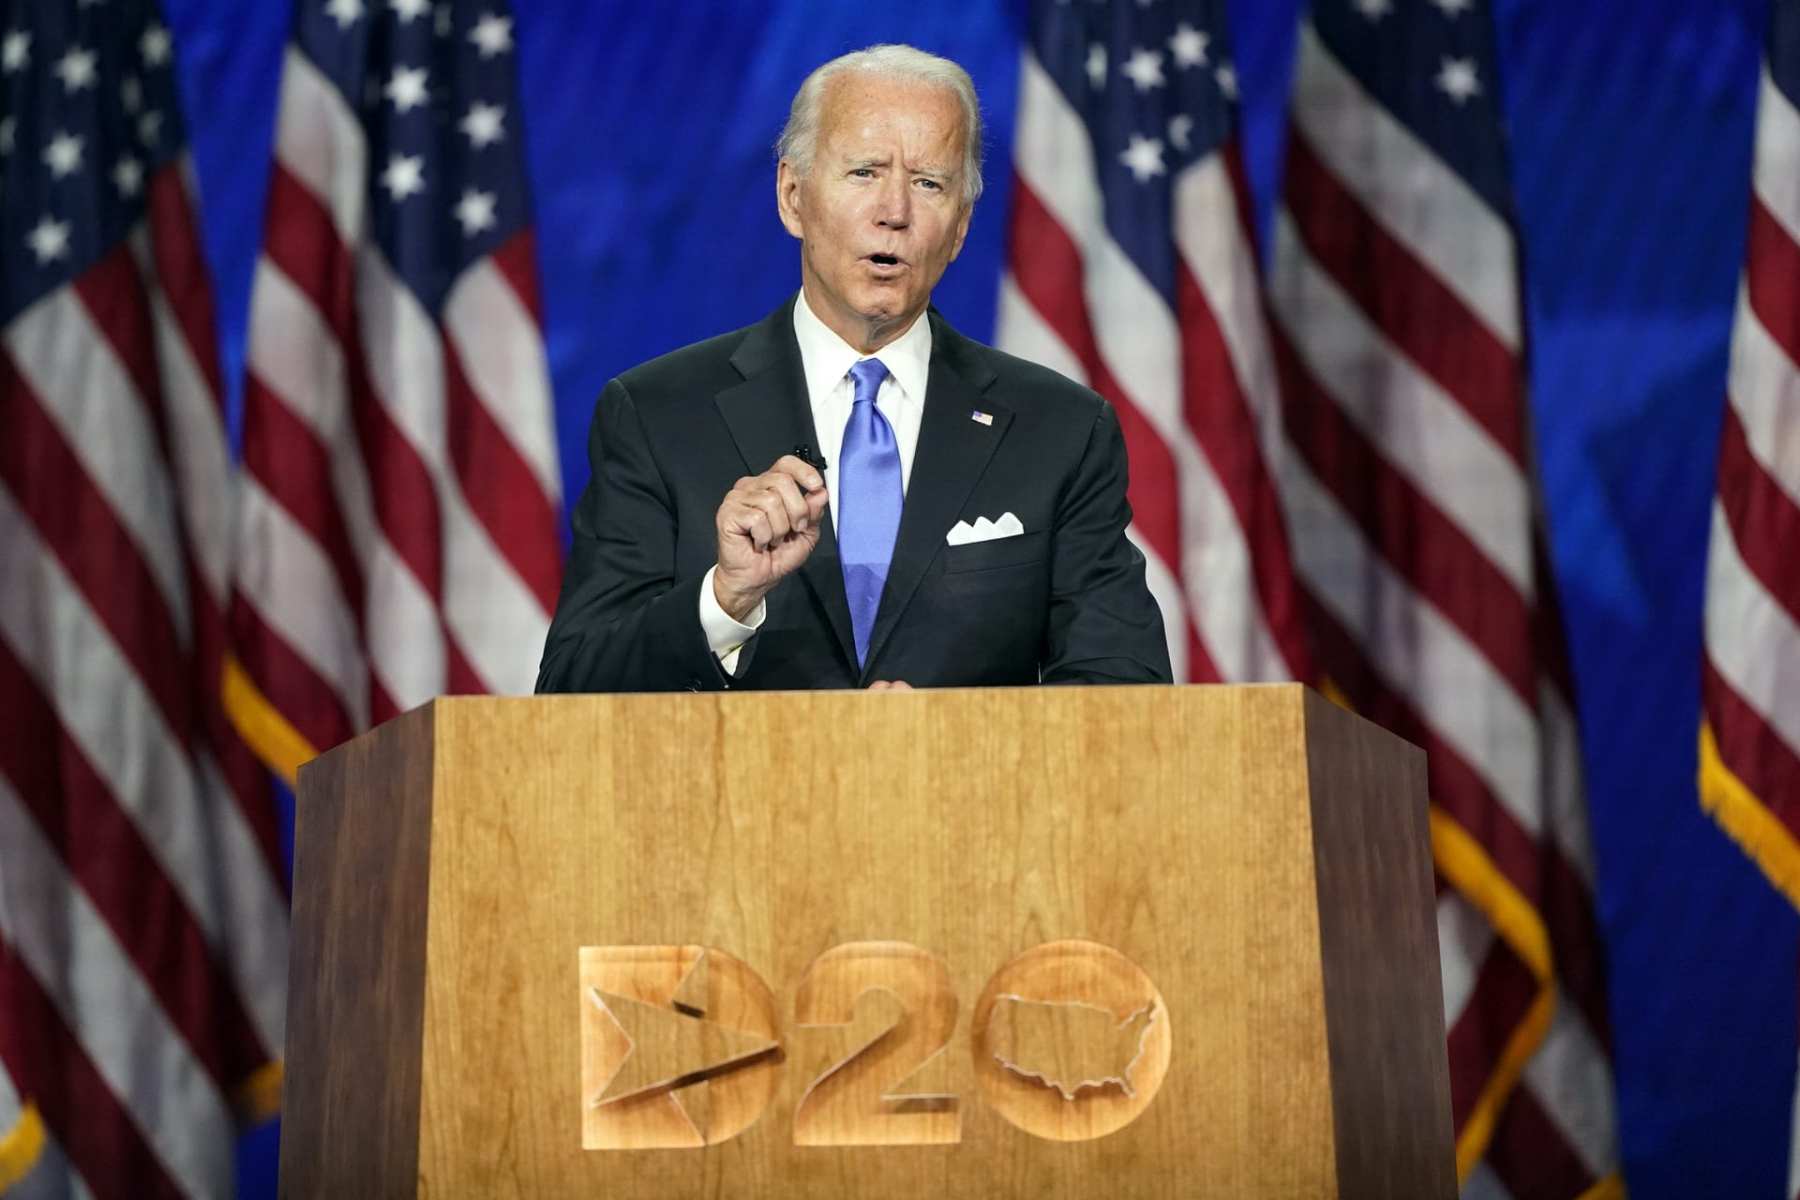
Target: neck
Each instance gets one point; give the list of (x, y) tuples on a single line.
[(865, 334)]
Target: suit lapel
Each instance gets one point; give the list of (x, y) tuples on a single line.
[(768, 414), (953, 451)]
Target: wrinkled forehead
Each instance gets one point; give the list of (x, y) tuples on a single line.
[(860, 110)]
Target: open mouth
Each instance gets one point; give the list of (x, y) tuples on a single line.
[(885, 260)]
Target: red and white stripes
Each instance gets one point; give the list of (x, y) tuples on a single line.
[(1191, 384), (399, 530), (1750, 738), (1408, 488), (1750, 753), (143, 922)]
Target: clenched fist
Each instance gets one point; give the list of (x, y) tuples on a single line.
[(767, 525)]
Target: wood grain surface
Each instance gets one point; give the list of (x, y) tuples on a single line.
[(1378, 933), (356, 965), (1173, 826)]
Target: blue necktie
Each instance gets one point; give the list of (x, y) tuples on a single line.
[(868, 502)]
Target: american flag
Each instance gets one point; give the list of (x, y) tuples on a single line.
[(402, 491), (1417, 539), (1750, 739), (143, 920), (1130, 268)]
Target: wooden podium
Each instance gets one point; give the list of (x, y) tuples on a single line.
[(1037, 942)]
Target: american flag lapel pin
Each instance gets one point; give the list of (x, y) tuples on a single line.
[(981, 418)]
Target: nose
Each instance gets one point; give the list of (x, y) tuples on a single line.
[(893, 203)]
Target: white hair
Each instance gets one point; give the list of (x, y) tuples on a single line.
[(800, 136)]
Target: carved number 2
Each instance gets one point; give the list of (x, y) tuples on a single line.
[(852, 1103)]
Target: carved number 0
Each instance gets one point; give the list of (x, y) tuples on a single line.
[(853, 1103)]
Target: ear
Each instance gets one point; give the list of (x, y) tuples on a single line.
[(787, 198)]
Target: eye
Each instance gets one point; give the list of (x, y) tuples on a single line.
[(862, 172), (932, 184)]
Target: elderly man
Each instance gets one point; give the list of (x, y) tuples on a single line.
[(851, 493)]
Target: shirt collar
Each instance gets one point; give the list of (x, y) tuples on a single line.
[(827, 358)]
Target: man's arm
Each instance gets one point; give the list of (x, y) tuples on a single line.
[(1104, 625), (624, 621)]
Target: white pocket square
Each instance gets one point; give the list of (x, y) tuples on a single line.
[(983, 530)]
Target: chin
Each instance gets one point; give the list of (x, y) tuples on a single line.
[(883, 306)]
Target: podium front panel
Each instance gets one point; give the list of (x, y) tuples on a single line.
[(1044, 942)]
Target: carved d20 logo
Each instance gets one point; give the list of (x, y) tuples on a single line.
[(679, 1047)]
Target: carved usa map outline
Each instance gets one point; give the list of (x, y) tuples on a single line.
[(1069, 1045)]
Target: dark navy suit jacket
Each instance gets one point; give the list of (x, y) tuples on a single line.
[(1065, 602)]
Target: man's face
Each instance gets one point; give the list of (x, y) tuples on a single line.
[(881, 213)]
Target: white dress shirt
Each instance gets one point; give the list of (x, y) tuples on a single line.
[(826, 360)]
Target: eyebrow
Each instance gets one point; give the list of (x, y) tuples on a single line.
[(852, 164)]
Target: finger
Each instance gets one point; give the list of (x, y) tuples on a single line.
[(881, 685), (769, 503), (800, 471), (755, 524), (793, 500), (733, 509)]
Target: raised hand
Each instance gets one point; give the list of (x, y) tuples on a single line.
[(767, 525)]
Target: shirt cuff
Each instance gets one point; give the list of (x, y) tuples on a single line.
[(725, 635)]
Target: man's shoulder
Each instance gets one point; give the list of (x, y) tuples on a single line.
[(687, 367), (1024, 385)]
